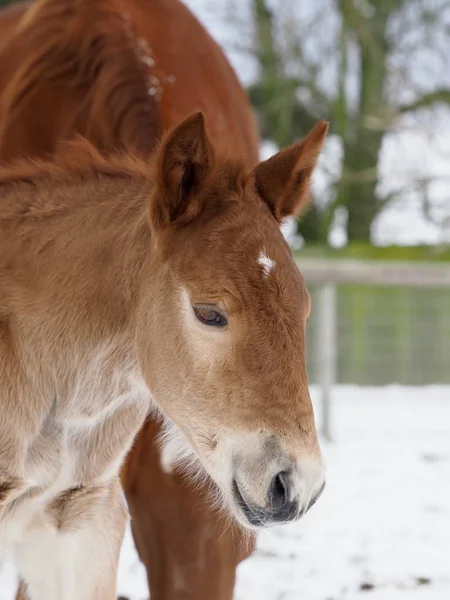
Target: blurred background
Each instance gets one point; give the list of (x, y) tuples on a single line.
[(375, 250)]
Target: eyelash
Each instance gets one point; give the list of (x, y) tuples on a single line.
[(210, 316)]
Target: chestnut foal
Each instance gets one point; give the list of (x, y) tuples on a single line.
[(126, 286)]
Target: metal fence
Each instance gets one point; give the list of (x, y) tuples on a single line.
[(377, 324)]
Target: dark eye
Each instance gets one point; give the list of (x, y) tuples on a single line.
[(210, 316)]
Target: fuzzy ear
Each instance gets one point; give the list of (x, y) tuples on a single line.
[(183, 162), (283, 180)]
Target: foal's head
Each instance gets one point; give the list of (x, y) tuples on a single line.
[(227, 311)]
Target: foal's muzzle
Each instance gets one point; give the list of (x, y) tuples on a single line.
[(282, 505)]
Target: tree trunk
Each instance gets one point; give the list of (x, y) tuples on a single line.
[(364, 132), (357, 188)]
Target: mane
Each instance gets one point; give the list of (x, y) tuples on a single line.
[(27, 185), (78, 159), (75, 160), (88, 43), (36, 188)]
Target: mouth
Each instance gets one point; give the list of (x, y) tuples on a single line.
[(257, 517)]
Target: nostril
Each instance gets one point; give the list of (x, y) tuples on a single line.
[(279, 491)]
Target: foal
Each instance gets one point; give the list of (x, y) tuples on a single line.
[(126, 286)]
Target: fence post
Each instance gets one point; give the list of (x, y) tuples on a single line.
[(327, 351)]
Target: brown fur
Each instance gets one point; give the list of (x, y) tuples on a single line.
[(107, 83), (80, 54)]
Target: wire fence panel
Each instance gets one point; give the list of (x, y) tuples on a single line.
[(377, 324), (385, 335)]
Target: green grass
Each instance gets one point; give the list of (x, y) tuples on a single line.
[(368, 252)]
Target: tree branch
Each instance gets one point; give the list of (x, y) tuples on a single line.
[(415, 185), (440, 95)]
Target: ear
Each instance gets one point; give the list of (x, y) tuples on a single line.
[(183, 162), (283, 180)]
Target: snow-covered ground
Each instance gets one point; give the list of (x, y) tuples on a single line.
[(381, 529)]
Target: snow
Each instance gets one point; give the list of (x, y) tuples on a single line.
[(383, 521)]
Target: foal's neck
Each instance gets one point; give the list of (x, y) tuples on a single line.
[(71, 277)]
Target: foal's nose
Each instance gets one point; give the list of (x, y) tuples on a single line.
[(282, 504), (266, 496), (280, 493), (281, 507)]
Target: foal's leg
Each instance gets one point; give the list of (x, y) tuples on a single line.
[(189, 550), (72, 551)]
